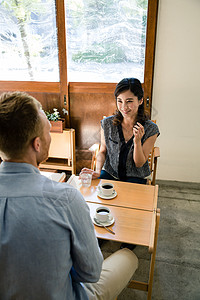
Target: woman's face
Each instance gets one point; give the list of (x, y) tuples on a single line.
[(128, 104)]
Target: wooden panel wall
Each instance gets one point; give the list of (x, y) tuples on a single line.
[(86, 112), (48, 100)]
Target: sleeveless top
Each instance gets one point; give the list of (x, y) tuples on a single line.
[(119, 157)]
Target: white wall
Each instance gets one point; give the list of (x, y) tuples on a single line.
[(176, 92)]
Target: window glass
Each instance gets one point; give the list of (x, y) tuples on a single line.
[(106, 39), (28, 40)]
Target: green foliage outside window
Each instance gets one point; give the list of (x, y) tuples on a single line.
[(106, 32)]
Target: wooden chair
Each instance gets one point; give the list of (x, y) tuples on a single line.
[(62, 152), (95, 150), (152, 160)]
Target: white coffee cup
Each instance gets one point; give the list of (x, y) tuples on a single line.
[(103, 214), (106, 188)]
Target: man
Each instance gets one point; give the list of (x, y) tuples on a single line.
[(48, 248)]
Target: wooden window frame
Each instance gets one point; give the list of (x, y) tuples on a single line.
[(64, 87)]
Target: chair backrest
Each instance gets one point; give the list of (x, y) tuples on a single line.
[(62, 151), (151, 155), (61, 145), (152, 160), (155, 153), (95, 150)]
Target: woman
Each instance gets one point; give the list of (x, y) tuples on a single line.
[(127, 137)]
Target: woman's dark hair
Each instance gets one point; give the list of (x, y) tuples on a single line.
[(134, 85)]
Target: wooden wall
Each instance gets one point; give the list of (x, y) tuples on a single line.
[(86, 112), (47, 99)]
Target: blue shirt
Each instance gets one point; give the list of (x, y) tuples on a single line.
[(47, 239)]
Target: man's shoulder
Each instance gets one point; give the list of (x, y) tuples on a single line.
[(60, 193)]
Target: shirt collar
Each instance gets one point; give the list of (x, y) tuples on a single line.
[(13, 167)]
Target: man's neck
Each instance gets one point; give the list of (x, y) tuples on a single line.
[(28, 159)]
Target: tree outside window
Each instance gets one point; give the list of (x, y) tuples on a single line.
[(106, 39), (28, 40)]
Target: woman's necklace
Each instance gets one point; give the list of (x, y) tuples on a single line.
[(127, 132)]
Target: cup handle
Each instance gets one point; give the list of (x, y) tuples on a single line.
[(110, 217)]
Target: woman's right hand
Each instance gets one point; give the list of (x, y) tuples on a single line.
[(95, 174)]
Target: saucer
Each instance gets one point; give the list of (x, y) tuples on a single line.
[(101, 195), (108, 223)]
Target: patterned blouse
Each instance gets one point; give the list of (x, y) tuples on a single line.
[(119, 157)]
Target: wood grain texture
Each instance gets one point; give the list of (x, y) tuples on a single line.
[(30, 86), (129, 195), (62, 57), (86, 112), (92, 87), (131, 225), (150, 52)]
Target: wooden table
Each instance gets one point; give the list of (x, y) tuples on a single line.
[(129, 195), (136, 218)]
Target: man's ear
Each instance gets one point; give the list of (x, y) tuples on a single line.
[(36, 144)]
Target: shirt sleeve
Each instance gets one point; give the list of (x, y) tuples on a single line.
[(150, 129), (86, 255)]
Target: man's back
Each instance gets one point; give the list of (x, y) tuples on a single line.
[(45, 231)]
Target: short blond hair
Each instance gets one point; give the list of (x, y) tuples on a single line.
[(20, 123)]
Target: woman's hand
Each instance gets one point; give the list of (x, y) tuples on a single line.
[(138, 131), (95, 175)]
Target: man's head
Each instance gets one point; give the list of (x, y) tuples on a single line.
[(23, 127)]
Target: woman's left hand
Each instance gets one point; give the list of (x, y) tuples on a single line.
[(138, 131)]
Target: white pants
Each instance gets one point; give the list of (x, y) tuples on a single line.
[(116, 273)]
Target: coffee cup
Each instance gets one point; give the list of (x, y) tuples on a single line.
[(103, 214), (107, 189)]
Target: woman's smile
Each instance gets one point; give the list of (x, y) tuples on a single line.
[(125, 112)]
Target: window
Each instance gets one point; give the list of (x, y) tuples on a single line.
[(28, 41), (106, 39)]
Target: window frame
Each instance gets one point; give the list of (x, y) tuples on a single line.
[(64, 88)]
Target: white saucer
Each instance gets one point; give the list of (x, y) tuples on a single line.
[(108, 223), (99, 193)]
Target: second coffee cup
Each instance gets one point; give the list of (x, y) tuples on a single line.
[(103, 214), (107, 188)]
